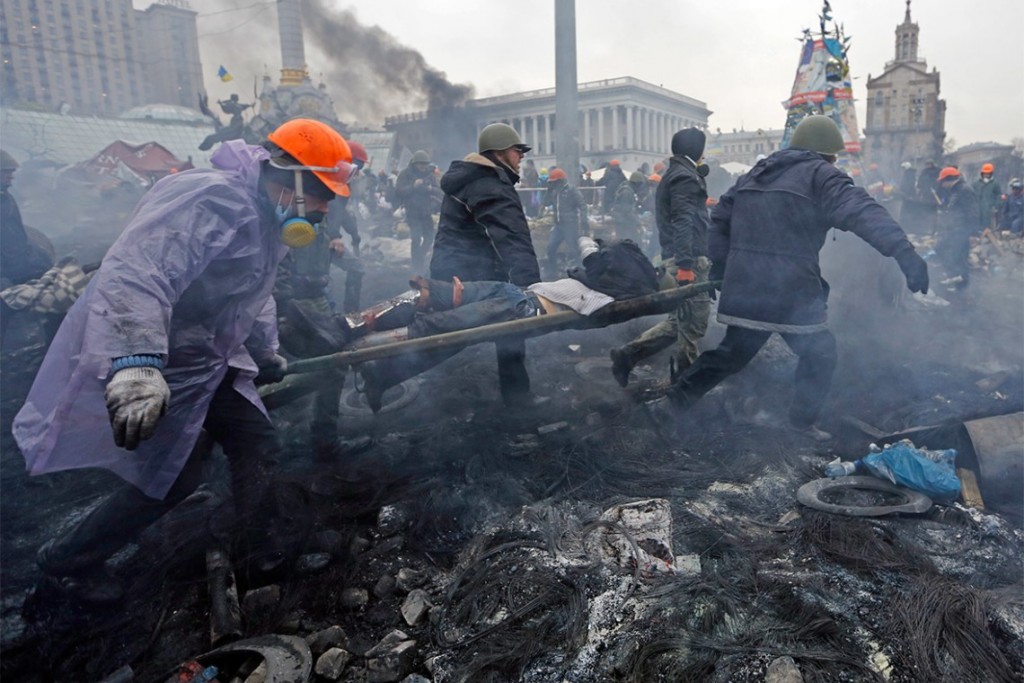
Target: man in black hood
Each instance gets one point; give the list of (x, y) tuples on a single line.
[(682, 216), (483, 235), (764, 241)]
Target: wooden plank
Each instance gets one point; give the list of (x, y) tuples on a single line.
[(969, 491)]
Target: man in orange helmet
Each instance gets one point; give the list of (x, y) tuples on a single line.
[(309, 323), (989, 195), (610, 181), (957, 221), (165, 344), (570, 216)]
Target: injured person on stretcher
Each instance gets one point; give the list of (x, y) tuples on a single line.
[(611, 271)]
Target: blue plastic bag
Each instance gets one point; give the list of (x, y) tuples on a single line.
[(933, 473)]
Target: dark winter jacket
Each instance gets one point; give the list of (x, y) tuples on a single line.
[(767, 231), (625, 208), (569, 207), (20, 259), (483, 233), (610, 181), (989, 200), (1012, 214), (416, 198), (682, 213), (959, 210)]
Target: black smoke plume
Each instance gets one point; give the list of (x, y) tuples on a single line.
[(371, 75)]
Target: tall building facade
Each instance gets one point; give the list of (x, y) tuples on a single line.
[(170, 42), (621, 118), (906, 119), (98, 56)]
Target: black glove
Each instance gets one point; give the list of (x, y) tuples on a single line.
[(717, 274), (272, 370), (914, 269)]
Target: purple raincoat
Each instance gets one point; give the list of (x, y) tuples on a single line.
[(190, 280)]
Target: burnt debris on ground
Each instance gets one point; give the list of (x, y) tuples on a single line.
[(475, 544)]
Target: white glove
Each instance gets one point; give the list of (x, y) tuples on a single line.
[(272, 370), (136, 399), (587, 247)]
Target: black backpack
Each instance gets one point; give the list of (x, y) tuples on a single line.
[(619, 269)]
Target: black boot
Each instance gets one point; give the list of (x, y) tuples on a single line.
[(74, 562), (622, 365), (322, 332)]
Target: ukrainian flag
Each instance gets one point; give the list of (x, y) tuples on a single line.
[(223, 74)]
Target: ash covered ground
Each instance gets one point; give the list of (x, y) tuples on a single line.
[(490, 520)]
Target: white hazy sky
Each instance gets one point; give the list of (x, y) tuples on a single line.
[(739, 56)]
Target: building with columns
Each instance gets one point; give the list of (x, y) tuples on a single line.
[(620, 118), (905, 118), (742, 146)]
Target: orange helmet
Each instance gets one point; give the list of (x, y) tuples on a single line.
[(613, 162), (949, 172), (988, 168), (556, 174), (359, 155), (711, 201), (319, 149), (654, 178), (659, 167)]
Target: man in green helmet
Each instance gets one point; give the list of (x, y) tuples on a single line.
[(416, 189), (483, 235), (764, 241)]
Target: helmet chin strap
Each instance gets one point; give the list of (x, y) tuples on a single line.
[(300, 198)]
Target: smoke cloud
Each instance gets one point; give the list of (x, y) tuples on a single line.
[(369, 73)]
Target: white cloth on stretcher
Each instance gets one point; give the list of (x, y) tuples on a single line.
[(572, 293)]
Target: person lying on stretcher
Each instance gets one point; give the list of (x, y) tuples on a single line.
[(611, 271)]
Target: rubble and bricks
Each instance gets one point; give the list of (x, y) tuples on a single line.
[(391, 659), (260, 600), (332, 663), (330, 637), (416, 604)]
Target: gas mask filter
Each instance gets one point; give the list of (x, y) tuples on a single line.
[(301, 229)]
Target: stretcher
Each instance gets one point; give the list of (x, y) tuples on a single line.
[(306, 375)]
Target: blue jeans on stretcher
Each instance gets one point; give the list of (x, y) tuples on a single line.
[(483, 303)]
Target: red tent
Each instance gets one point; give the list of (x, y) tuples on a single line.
[(137, 164)]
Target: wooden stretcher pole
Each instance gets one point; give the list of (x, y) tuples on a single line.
[(615, 312)]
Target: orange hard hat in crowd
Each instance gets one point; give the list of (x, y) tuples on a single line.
[(988, 168), (317, 148), (358, 151), (711, 201), (613, 162), (556, 174), (654, 178), (659, 167), (949, 172)]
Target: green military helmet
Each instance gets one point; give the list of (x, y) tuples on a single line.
[(7, 162), (819, 134), (637, 178), (420, 157), (500, 136)]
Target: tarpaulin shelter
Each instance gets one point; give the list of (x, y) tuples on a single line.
[(140, 165)]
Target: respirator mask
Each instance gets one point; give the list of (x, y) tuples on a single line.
[(701, 168), (299, 227)]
